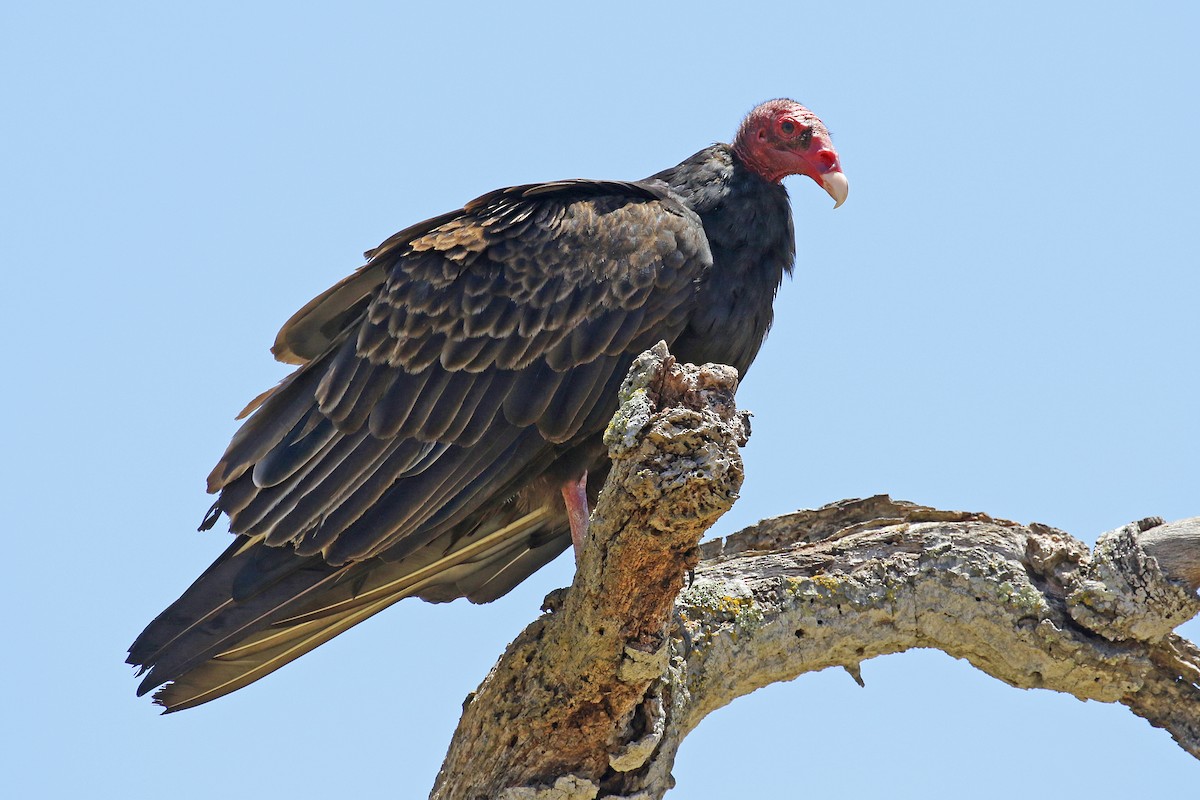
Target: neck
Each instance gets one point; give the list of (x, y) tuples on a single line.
[(756, 164)]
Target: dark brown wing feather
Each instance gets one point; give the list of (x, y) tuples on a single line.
[(416, 364), (470, 355)]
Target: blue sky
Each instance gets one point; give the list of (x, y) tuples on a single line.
[(1002, 318)]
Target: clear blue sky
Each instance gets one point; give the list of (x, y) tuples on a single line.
[(1002, 318)]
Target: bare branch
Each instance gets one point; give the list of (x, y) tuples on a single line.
[(1028, 605), (594, 699), (565, 696), (1175, 546)]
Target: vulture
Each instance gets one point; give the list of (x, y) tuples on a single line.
[(441, 435)]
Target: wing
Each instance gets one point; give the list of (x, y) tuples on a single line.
[(470, 354), (489, 338)]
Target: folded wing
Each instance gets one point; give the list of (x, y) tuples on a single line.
[(438, 388)]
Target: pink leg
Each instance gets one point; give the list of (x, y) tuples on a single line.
[(575, 496)]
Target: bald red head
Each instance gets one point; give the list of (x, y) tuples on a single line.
[(781, 138)]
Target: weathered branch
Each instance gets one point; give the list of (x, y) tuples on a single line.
[(594, 698), (564, 697)]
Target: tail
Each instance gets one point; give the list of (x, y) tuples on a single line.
[(259, 607)]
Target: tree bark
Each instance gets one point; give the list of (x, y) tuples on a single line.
[(594, 698)]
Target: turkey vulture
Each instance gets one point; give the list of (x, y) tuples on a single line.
[(444, 421)]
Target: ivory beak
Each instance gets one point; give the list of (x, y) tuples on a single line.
[(838, 187)]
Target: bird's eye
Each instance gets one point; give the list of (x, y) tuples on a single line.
[(787, 127)]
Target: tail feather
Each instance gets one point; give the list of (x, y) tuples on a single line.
[(207, 644), (209, 620), (206, 597), (227, 673)]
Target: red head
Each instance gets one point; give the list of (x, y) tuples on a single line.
[(781, 138)]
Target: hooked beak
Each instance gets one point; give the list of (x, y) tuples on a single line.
[(836, 185)]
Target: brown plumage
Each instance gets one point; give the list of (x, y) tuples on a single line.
[(448, 390)]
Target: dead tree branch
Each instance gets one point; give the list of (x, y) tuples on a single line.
[(594, 698)]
